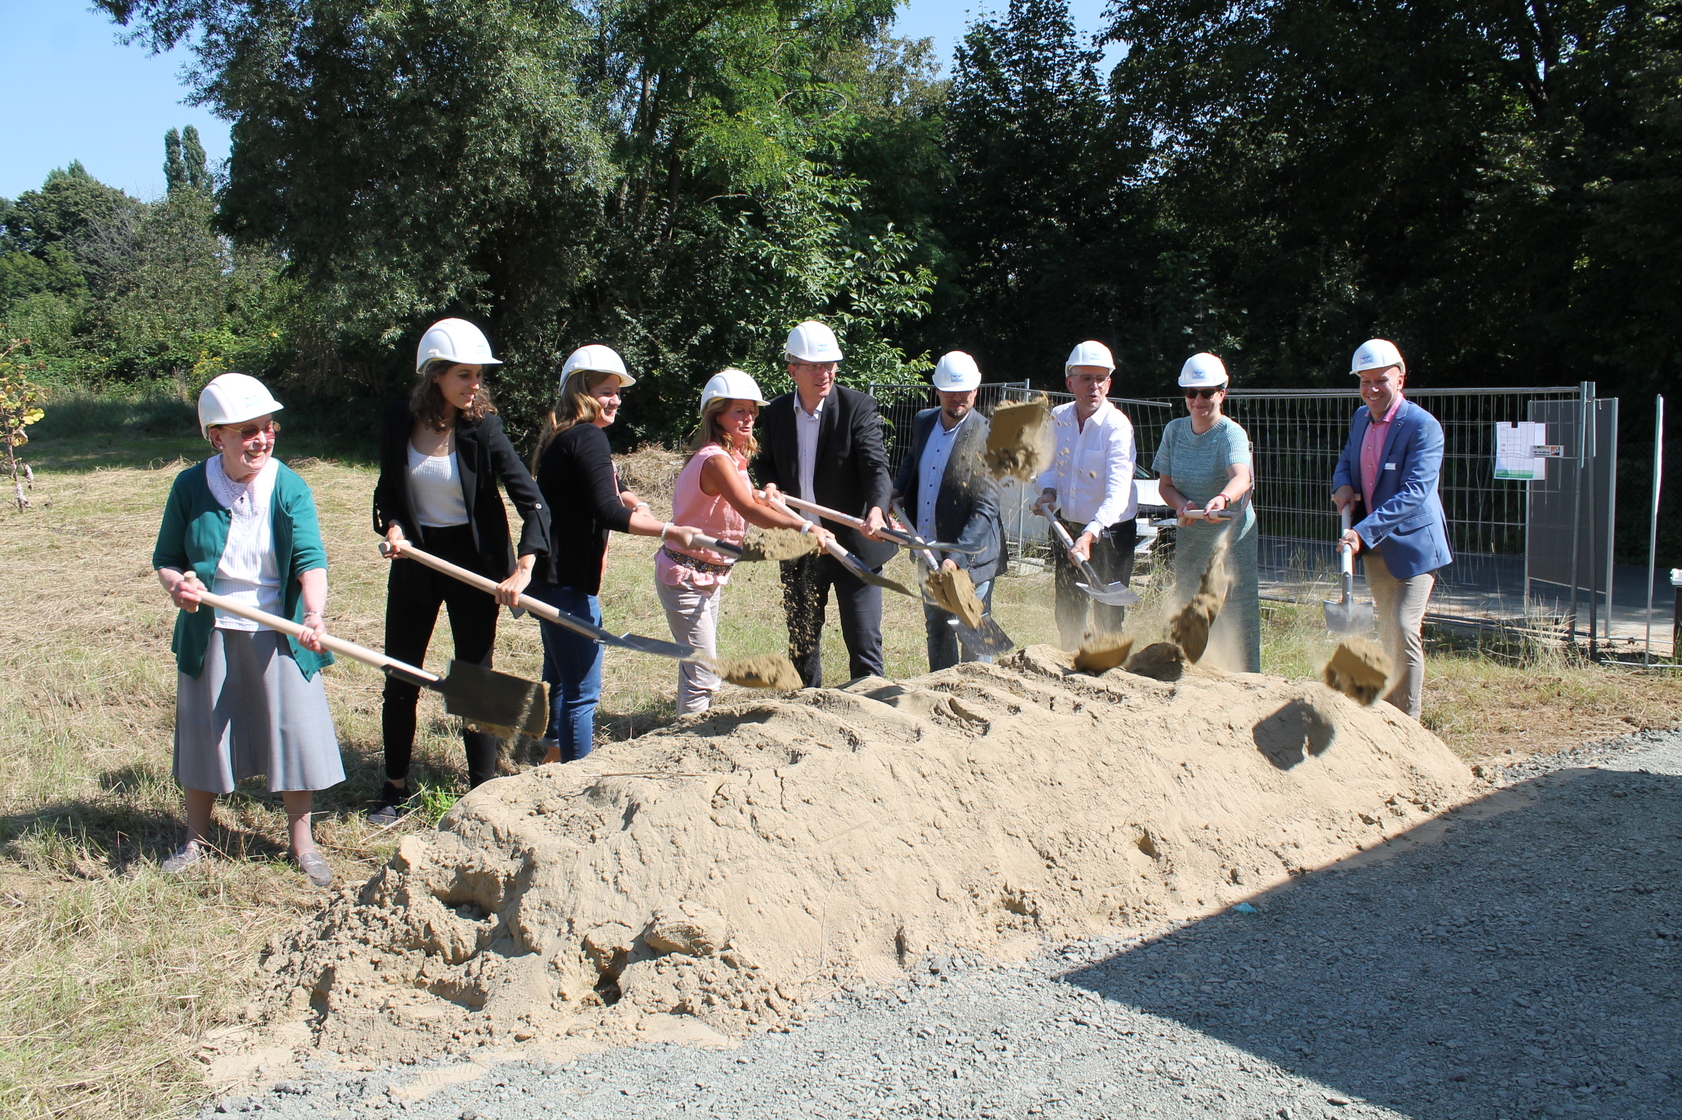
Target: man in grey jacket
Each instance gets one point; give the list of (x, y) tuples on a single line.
[(950, 496)]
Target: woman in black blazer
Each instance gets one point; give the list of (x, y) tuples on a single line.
[(441, 455)]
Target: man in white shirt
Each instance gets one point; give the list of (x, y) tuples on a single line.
[(951, 497), (1090, 485)]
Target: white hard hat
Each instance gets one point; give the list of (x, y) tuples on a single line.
[(956, 373), (1203, 371), (1376, 353), (733, 385), (596, 358), (456, 341), (234, 398), (1090, 353), (813, 342)]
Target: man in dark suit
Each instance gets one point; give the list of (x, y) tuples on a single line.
[(950, 496), (824, 443), (1389, 469)]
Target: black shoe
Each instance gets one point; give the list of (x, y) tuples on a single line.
[(391, 807)]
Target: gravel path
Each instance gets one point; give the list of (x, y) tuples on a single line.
[(1518, 959)]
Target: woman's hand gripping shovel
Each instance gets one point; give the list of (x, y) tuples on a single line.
[(499, 703), (1110, 594), (984, 640)]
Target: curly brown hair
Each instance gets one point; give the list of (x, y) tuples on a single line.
[(427, 401)]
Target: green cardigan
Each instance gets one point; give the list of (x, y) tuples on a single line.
[(193, 535)]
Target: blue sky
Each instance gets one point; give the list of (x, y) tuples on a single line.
[(78, 92)]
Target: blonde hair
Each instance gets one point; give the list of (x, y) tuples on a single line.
[(426, 403), (575, 406), (710, 432)]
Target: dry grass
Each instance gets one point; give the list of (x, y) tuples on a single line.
[(116, 973)]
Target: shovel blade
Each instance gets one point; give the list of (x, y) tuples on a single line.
[(498, 702), (1347, 616), (1111, 594), (655, 646), (986, 640)]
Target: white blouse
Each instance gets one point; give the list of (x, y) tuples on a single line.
[(247, 572), (435, 489)]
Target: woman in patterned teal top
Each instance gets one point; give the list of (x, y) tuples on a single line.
[(1204, 463)]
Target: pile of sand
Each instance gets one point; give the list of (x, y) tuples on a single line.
[(736, 866)]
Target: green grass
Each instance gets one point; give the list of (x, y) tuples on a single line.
[(115, 973)]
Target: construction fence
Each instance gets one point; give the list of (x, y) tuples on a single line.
[(1531, 553)]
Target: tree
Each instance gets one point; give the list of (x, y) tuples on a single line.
[(1038, 219), (184, 161), (1490, 184), (562, 173)]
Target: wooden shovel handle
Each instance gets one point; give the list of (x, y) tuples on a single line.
[(293, 630), (832, 546)]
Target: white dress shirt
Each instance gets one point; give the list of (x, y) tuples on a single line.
[(806, 426), (247, 571), (1092, 467), (931, 469)]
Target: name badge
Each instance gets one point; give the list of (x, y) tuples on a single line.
[(1389, 466)]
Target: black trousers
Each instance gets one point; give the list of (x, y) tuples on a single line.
[(806, 585), (414, 593), (1112, 559)]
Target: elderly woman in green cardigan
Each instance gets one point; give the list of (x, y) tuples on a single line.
[(248, 700)]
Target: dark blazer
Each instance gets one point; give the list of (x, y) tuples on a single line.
[(577, 476), (1406, 525), (851, 473), (483, 455), (967, 509)]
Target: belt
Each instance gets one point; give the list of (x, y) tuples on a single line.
[(684, 560)]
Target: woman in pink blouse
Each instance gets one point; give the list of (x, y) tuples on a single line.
[(715, 496)]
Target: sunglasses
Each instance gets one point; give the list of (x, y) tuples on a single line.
[(246, 435), (1204, 394)]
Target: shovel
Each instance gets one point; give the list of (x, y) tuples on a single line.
[(985, 640), (544, 611), (496, 702), (852, 563), (1346, 616), (1110, 594), (900, 536)]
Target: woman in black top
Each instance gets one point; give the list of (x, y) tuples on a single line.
[(441, 455), (575, 472)]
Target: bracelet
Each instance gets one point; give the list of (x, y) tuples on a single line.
[(666, 528), (805, 526)]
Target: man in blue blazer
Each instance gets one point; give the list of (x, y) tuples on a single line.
[(1387, 478), (950, 496)]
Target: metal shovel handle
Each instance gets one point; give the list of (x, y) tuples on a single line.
[(1068, 542), (846, 559), (1345, 554), (900, 535)]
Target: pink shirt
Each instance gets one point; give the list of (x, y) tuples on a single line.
[(1372, 451), (712, 514)]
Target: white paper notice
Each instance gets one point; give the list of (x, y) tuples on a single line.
[(1515, 451)]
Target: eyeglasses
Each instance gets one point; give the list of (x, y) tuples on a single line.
[(246, 435), (1203, 394), (821, 366)]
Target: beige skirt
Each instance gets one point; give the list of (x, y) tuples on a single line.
[(251, 712)]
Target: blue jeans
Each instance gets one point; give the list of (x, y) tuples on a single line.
[(572, 668), (944, 648)]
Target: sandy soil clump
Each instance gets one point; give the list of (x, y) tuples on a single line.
[(1190, 626), (954, 592), (771, 670), (1359, 668), (760, 543), (1019, 438), (727, 871)]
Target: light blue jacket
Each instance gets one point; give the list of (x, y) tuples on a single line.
[(1406, 524)]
